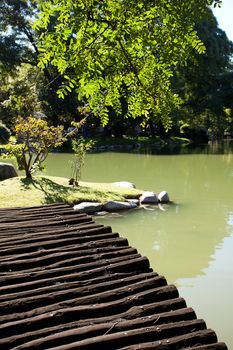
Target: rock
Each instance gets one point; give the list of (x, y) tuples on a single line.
[(88, 207), (163, 197), (73, 182), (132, 200), (115, 206), (149, 197), (123, 184), (7, 171), (101, 213)]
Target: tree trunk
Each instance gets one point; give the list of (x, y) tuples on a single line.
[(28, 174)]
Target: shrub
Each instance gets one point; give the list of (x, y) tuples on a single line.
[(80, 148), (35, 138), (196, 134)]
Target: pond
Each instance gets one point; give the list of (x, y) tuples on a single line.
[(190, 241)]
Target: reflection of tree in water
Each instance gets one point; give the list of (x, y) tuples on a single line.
[(188, 233), (181, 242), (230, 222), (176, 246)]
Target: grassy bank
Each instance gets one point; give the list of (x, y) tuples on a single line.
[(19, 191)]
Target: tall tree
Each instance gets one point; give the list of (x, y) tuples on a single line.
[(17, 40), (113, 48), (24, 89), (206, 82)]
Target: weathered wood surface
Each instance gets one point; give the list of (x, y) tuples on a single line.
[(67, 282)]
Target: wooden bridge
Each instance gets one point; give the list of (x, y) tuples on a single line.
[(67, 282)]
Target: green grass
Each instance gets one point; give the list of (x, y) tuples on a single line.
[(18, 191)]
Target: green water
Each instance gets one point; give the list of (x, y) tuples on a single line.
[(191, 242)]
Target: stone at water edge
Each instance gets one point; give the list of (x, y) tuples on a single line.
[(149, 197), (88, 207), (163, 197), (123, 184), (133, 200), (7, 171), (115, 206)]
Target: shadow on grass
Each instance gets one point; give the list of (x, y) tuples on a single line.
[(53, 192), (25, 184), (57, 193)]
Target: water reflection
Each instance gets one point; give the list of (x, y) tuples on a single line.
[(230, 219), (194, 251), (176, 244), (211, 294), (191, 243), (224, 147)]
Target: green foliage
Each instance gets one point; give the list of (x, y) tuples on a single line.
[(17, 42), (35, 138), (206, 82), (24, 88), (118, 59), (4, 133), (114, 49), (20, 93), (196, 134), (80, 147)]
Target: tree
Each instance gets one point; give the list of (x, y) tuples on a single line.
[(80, 147), (114, 48), (17, 41), (20, 93), (35, 139), (24, 89), (205, 84)]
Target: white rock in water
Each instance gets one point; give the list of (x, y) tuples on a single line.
[(123, 184), (163, 197), (115, 206), (88, 207), (149, 197)]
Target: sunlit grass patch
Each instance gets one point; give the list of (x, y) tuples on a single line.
[(19, 191)]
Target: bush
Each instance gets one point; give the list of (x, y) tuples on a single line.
[(4, 134), (80, 148), (35, 139), (196, 134)]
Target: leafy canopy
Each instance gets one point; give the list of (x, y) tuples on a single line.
[(114, 50), (17, 41), (206, 82)]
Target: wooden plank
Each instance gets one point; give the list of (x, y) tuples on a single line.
[(120, 332), (91, 286), (71, 283), (184, 330), (190, 340), (216, 346), (112, 321)]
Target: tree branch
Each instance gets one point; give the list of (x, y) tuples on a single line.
[(134, 69)]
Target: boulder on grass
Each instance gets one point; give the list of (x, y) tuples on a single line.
[(163, 197), (88, 207), (7, 171), (115, 206), (123, 184), (149, 197)]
